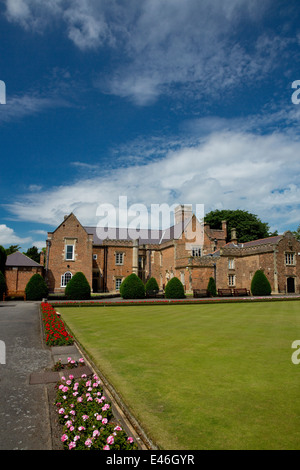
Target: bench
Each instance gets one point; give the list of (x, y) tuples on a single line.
[(151, 293), (225, 292), (200, 293), (241, 291), (14, 293), (154, 294)]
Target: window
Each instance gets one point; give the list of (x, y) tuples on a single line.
[(231, 280), (196, 251), (289, 258), (119, 258), (230, 263), (95, 256), (118, 283), (65, 278), (69, 252)]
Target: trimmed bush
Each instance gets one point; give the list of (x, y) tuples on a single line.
[(260, 284), (211, 287), (2, 285), (78, 288), (132, 287), (36, 288), (151, 284), (174, 289)]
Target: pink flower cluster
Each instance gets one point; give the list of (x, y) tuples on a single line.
[(86, 416)]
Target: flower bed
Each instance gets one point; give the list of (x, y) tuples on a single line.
[(55, 331), (86, 417)]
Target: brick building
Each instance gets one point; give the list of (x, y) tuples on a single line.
[(18, 271), (189, 250)]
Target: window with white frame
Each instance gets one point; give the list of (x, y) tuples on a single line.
[(196, 251), (230, 263), (95, 256), (119, 258), (69, 252), (118, 283), (65, 278), (231, 280), (290, 258)]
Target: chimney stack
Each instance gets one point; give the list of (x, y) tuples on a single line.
[(233, 236)]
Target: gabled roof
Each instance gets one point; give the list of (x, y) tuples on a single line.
[(17, 259)]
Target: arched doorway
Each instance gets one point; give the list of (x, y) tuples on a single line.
[(290, 285)]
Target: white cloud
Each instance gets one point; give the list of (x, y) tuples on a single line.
[(226, 170), (9, 237)]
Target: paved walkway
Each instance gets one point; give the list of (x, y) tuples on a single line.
[(24, 416)]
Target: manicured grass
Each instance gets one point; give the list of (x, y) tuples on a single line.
[(216, 376)]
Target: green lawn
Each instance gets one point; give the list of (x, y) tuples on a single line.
[(212, 376)]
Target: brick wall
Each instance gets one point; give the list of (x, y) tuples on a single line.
[(17, 278)]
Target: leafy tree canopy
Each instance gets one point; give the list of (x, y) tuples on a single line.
[(248, 226), (33, 253), (297, 233), (3, 257), (12, 249)]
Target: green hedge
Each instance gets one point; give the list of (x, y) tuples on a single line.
[(174, 289), (260, 284), (211, 287), (36, 288), (78, 288), (132, 287)]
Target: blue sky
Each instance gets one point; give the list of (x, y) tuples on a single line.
[(161, 101)]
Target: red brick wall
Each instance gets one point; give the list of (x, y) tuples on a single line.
[(17, 278)]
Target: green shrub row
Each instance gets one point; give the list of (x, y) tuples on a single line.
[(132, 287)]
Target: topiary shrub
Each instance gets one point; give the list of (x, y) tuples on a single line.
[(211, 287), (78, 288), (2, 285), (132, 287), (151, 285), (36, 288), (174, 289), (260, 284)]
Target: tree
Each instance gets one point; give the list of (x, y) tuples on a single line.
[(33, 253), (297, 233), (12, 249), (260, 284), (2, 285), (3, 257), (211, 287), (174, 289), (248, 226), (78, 287), (36, 288), (132, 287)]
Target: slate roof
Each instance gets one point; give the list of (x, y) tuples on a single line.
[(17, 259), (261, 241), (146, 236)]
